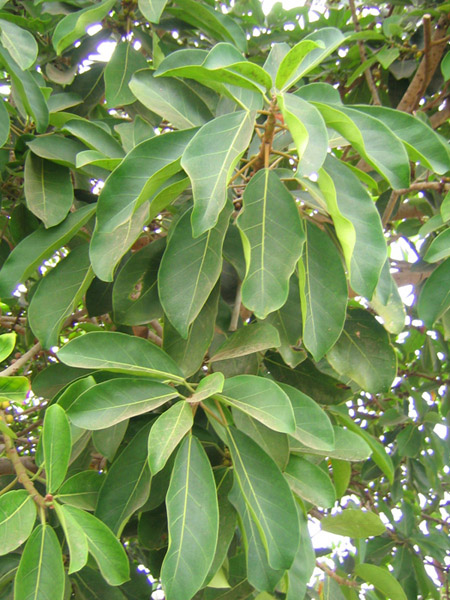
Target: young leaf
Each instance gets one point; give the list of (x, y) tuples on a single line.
[(255, 337), (354, 523), (56, 443), (123, 63), (17, 517), (310, 482), (210, 385), (166, 432), (41, 570), (75, 538), (270, 258), (193, 520)]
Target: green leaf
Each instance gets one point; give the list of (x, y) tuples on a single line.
[(209, 160), (313, 427), (20, 43), (81, 490), (192, 515), (189, 270), (364, 354), (73, 26), (358, 225), (166, 432), (121, 353), (268, 498), (17, 517), (94, 158), (4, 124), (104, 547), (38, 246), (208, 386), (439, 247), (90, 585), (107, 441), (304, 562), (445, 66), (310, 482), (58, 295), (409, 441), (354, 523), (152, 9), (14, 388), (255, 337), (262, 399), (56, 443), (270, 258), (95, 137), (382, 580), (172, 99), (60, 150), (127, 484), (292, 60), (342, 472), (75, 538), (48, 190), (347, 446), (115, 400), (389, 306), (123, 63), (434, 298), (323, 292), (41, 570), (7, 343)]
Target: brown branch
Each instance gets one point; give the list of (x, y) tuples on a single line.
[(20, 362), (440, 116), (389, 209), (266, 142), (440, 186), (335, 576)]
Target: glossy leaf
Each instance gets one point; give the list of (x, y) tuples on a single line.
[(58, 295), (193, 520), (38, 246), (262, 399), (127, 484), (17, 517), (268, 497), (382, 580), (81, 490), (41, 570), (56, 444), (270, 258), (218, 145), (354, 523), (434, 298), (115, 400), (7, 343), (255, 337), (310, 482), (118, 352), (75, 538), (166, 433), (20, 43), (123, 63), (189, 270), (323, 292)]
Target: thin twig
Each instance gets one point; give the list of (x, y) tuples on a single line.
[(335, 576), (157, 327), (20, 362), (389, 209)]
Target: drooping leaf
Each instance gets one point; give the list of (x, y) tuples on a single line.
[(434, 298), (7, 343), (123, 63), (323, 292), (38, 246), (56, 444), (382, 580), (115, 400), (262, 399), (75, 538), (209, 160), (127, 484), (41, 570), (19, 42), (193, 520), (364, 354), (81, 490), (121, 353), (310, 482), (166, 433), (17, 517), (189, 270), (354, 523), (58, 294), (255, 337), (270, 257), (268, 497)]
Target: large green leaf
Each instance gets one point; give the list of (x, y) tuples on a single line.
[(17, 517), (38, 246), (20, 43), (209, 160), (255, 337), (115, 400), (268, 498), (170, 98), (166, 432), (434, 298), (358, 225), (95, 137), (56, 444), (292, 60), (304, 562), (119, 70), (323, 292), (90, 585), (192, 515), (354, 523), (41, 570), (127, 484), (108, 552), (348, 446), (48, 189), (60, 150), (310, 482), (75, 538), (364, 354), (107, 441), (189, 270), (73, 26), (119, 352), (81, 490), (268, 208), (58, 295), (152, 9), (382, 580), (262, 399)]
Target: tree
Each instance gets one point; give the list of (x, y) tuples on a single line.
[(208, 336)]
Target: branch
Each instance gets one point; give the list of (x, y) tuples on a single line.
[(440, 116), (335, 576), (20, 362)]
